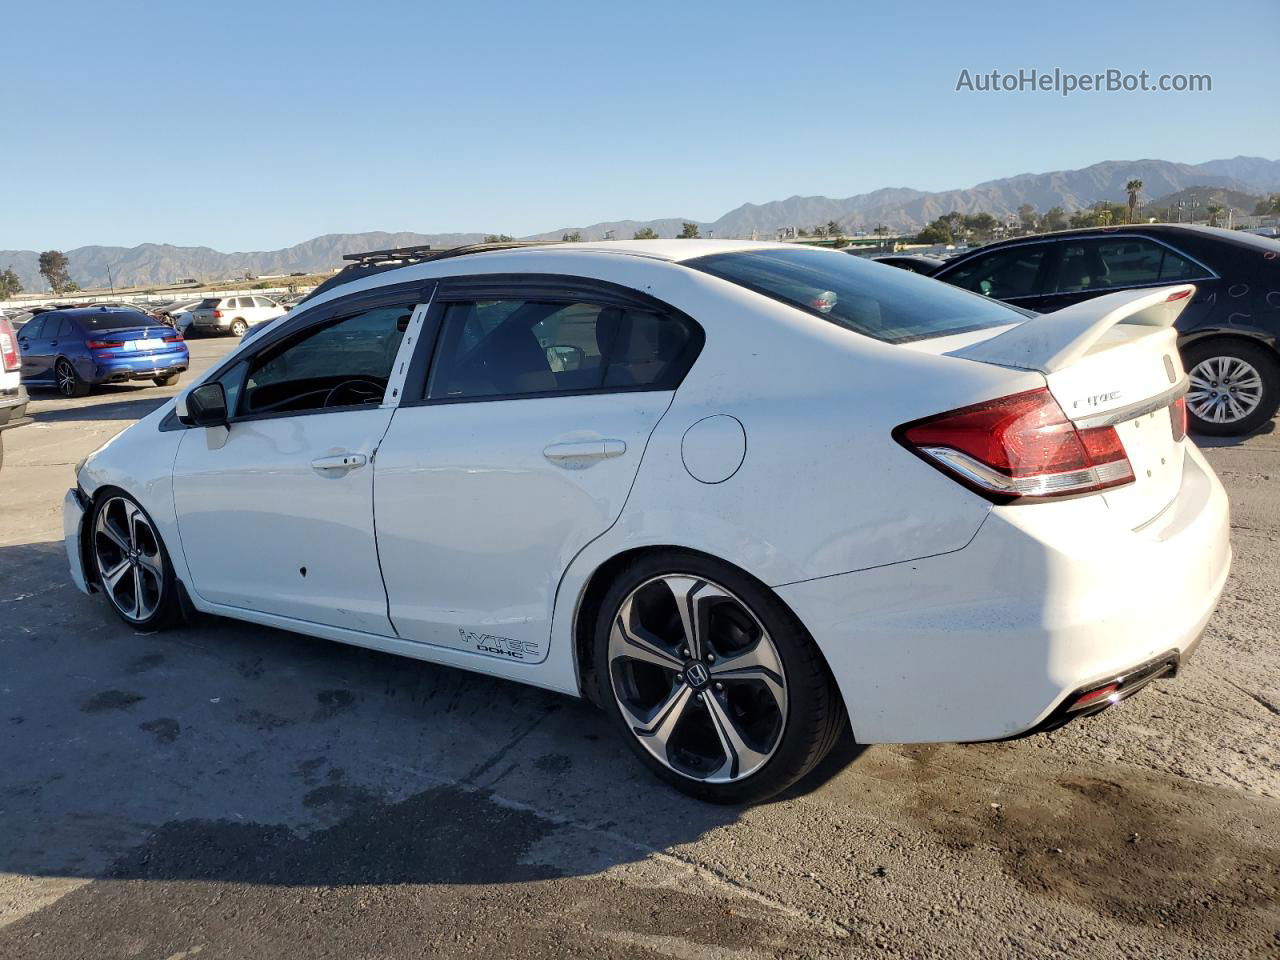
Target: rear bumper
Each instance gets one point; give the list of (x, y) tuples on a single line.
[(142, 368), (13, 409), (1047, 602)]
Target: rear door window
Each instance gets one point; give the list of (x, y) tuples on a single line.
[(891, 305), (1117, 263), (510, 348)]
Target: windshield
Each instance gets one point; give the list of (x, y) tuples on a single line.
[(115, 320), (874, 299)]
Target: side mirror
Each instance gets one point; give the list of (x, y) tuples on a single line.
[(206, 406)]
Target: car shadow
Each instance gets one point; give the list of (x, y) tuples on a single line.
[(1203, 440), (106, 408), (222, 751)]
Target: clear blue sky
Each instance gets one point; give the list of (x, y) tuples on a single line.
[(258, 125)]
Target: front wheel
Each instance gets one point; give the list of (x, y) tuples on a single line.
[(70, 383), (712, 681), (166, 381), (1235, 386), (239, 328), (132, 564)]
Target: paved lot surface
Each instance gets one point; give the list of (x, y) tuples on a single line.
[(231, 791)]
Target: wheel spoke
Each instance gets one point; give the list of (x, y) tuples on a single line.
[(738, 754), (108, 529), (691, 595), (137, 592), (760, 664), (660, 723), (111, 578), (632, 641)]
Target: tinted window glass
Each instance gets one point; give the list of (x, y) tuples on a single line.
[(262, 302), (117, 320), (1012, 272), (34, 327), (342, 363), (56, 327), (209, 303), (524, 347), (891, 305), (1114, 263)]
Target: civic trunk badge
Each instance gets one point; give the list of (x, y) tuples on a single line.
[(1168, 368)]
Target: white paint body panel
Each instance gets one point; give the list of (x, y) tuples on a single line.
[(253, 514), (942, 617), (476, 525)]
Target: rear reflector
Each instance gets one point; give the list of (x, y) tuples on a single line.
[(8, 347), (1019, 447), (1094, 697), (1178, 418)]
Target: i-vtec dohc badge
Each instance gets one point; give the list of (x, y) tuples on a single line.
[(501, 646), (1097, 399)]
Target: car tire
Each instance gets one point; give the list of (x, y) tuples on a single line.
[(1250, 374), (763, 712), (131, 565), (239, 328), (168, 381), (68, 379)]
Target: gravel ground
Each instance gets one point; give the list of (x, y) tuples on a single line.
[(231, 791)]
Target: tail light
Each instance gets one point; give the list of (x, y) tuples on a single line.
[(173, 338), (1019, 447), (217, 314), (103, 344), (1178, 418), (8, 346)]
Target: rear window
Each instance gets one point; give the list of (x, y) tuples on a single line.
[(209, 303), (872, 299), (115, 320)]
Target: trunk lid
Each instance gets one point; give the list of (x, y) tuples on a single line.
[(1111, 361)]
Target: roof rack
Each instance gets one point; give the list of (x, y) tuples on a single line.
[(376, 261), (403, 256)]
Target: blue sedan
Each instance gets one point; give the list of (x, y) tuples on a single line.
[(77, 348)]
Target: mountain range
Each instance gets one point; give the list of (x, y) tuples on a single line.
[(898, 208)]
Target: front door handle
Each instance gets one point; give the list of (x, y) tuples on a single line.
[(338, 465), (583, 453)]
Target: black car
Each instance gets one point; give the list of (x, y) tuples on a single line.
[(915, 262), (1229, 334)]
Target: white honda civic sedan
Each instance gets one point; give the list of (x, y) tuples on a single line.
[(745, 497)]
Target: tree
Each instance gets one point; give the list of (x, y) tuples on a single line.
[(938, 233), (53, 267), (1055, 219), (1269, 206), (9, 284), (645, 233), (688, 231), (497, 238), (575, 237), (833, 229), (1133, 188), (1215, 211), (1027, 218), (981, 224)]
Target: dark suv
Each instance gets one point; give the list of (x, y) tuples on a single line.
[(1229, 334)]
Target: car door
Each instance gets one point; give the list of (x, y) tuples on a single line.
[(1015, 273), (35, 348), (515, 451), (275, 511)]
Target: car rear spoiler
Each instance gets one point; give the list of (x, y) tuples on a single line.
[(1052, 341)]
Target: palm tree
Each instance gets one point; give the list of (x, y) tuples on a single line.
[(1215, 210), (1134, 187)]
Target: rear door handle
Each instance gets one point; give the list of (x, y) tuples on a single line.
[(339, 464), (582, 453)]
